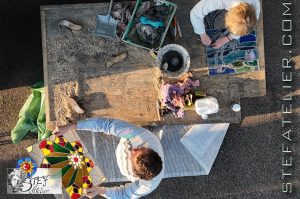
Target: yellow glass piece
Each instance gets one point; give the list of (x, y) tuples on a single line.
[(77, 146), (85, 185), (47, 148), (74, 190), (89, 164), (29, 149)]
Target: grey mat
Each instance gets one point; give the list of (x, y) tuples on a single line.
[(179, 161)]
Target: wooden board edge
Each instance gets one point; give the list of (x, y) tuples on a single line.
[(45, 67), (261, 48), (70, 6)]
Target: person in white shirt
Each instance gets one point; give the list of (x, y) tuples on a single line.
[(139, 157), (240, 19)]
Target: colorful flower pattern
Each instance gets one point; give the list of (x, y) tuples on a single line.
[(69, 157), (27, 165)]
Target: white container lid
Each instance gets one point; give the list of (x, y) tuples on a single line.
[(236, 107)]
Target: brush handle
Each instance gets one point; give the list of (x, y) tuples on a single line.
[(110, 7)]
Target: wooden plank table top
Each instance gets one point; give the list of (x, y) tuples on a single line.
[(75, 66)]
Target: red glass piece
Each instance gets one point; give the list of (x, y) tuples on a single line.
[(26, 166)]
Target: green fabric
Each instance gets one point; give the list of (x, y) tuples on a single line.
[(32, 116)]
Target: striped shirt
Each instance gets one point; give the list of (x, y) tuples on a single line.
[(203, 7), (131, 137)]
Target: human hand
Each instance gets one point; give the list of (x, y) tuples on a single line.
[(220, 42), (205, 39), (94, 191), (61, 130)]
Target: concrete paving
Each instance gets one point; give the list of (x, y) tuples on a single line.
[(248, 165)]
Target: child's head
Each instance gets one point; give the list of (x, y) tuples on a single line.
[(146, 163), (241, 19)]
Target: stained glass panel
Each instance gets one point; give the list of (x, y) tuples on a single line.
[(237, 56), (75, 166)]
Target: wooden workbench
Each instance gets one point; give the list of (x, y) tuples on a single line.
[(75, 66)]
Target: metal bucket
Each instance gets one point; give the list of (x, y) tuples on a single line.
[(173, 60)]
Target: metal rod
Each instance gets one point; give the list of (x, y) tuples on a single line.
[(110, 7)]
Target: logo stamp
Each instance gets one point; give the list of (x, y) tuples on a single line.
[(26, 180)]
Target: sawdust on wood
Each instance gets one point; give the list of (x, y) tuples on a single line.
[(64, 114), (70, 54)]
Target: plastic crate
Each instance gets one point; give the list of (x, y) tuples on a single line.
[(130, 35)]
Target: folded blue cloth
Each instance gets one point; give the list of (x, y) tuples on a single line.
[(147, 21)]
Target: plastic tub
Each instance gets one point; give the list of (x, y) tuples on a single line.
[(130, 35)]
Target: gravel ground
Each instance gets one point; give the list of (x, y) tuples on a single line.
[(248, 165)]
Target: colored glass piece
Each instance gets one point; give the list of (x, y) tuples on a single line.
[(73, 178), (250, 37), (87, 182), (76, 159), (77, 146), (65, 169), (45, 164), (46, 147), (55, 160), (58, 148), (69, 146), (68, 176), (57, 154), (74, 191), (60, 140), (60, 164), (64, 143), (78, 179), (84, 171), (89, 164)]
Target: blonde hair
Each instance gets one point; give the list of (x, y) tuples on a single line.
[(241, 19)]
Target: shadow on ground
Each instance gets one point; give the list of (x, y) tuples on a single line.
[(248, 165)]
